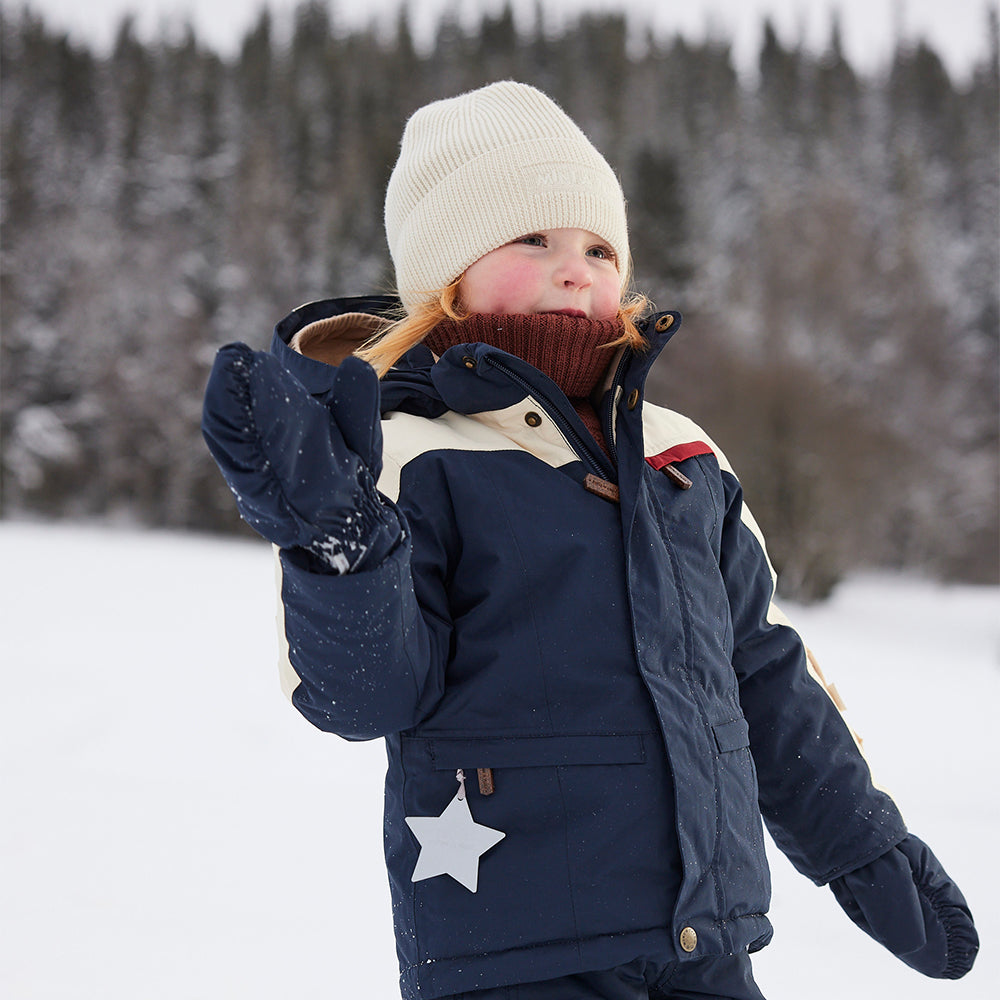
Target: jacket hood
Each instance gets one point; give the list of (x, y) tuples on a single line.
[(314, 338)]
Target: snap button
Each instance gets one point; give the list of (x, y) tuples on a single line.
[(663, 324), (532, 419), (633, 399), (469, 362), (689, 939)]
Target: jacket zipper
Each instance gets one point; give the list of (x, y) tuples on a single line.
[(609, 405), (578, 444)]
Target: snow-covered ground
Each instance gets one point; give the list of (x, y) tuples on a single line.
[(171, 828)]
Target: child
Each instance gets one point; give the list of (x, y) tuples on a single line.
[(555, 607)]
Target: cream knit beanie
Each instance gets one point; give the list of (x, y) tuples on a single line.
[(481, 169)]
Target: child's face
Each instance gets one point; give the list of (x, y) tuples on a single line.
[(569, 271)]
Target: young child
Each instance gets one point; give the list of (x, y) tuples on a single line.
[(554, 607)]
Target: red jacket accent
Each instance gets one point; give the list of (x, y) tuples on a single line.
[(678, 453)]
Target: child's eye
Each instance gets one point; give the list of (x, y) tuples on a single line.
[(603, 253), (533, 240)]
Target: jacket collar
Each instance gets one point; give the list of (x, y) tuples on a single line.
[(468, 378), (473, 378)]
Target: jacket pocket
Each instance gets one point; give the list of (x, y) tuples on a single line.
[(740, 831), (731, 736), (580, 812), (449, 753)]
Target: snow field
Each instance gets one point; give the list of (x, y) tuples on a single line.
[(173, 829)]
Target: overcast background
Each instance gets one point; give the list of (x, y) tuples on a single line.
[(870, 27)]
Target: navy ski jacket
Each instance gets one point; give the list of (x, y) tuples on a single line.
[(600, 633)]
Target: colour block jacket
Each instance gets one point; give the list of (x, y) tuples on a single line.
[(601, 635)]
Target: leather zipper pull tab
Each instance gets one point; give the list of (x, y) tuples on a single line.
[(486, 786), (677, 477), (602, 488)]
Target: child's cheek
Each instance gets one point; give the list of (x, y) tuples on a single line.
[(606, 299), (513, 288)]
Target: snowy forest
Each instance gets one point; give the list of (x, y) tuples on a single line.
[(831, 238)]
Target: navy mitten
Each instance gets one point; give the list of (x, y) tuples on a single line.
[(303, 473), (906, 901)]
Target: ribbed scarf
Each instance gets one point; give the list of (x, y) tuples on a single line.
[(564, 348)]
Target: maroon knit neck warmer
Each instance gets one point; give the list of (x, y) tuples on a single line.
[(565, 348), (562, 347)]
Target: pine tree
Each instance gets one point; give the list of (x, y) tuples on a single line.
[(831, 237)]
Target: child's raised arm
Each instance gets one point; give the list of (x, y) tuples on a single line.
[(303, 473)]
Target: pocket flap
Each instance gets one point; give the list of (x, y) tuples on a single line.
[(733, 735), (448, 752)]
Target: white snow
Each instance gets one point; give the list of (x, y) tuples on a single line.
[(171, 828)]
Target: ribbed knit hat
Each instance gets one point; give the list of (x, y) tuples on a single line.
[(479, 170)]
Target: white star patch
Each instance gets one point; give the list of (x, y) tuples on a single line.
[(452, 843)]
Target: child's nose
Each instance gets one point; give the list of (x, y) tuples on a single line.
[(572, 271)]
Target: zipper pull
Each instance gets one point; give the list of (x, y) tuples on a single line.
[(485, 775), (677, 477), (602, 488)]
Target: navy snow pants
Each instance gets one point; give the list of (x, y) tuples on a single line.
[(727, 978)]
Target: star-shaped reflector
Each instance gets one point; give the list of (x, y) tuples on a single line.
[(452, 843)]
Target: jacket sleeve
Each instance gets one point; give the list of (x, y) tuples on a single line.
[(816, 791), (363, 654)]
